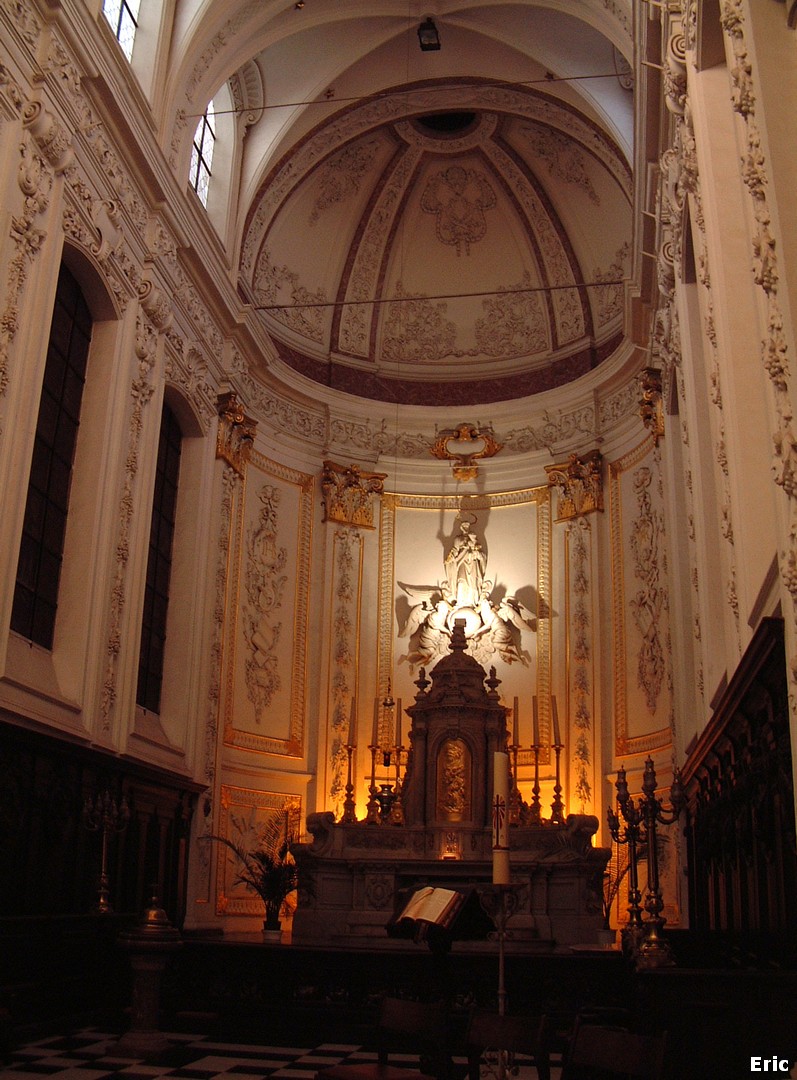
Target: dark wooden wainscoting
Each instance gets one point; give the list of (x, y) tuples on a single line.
[(55, 952), (742, 855)]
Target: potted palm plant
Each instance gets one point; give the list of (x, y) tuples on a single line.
[(612, 880), (269, 870)]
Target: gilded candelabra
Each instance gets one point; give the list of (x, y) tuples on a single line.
[(106, 816), (373, 810), (557, 806), (396, 815), (642, 819)]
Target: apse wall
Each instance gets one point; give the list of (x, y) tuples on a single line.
[(335, 562)]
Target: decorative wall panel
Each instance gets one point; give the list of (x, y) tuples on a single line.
[(640, 604), (345, 648), (580, 739), (244, 812), (265, 651)]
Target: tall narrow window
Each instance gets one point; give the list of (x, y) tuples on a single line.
[(202, 154), (42, 546), (122, 15), (159, 564)]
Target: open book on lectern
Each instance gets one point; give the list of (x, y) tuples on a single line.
[(453, 913), (433, 905)]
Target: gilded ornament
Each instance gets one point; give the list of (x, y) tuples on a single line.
[(580, 482), (348, 494), (236, 432), (650, 404), (482, 439)]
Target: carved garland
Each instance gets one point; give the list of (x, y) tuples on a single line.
[(230, 488), (264, 582)]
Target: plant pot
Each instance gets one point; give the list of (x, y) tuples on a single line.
[(272, 932)]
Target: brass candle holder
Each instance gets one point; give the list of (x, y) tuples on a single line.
[(104, 815)]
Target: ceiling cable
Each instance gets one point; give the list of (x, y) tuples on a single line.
[(439, 296), (549, 77)]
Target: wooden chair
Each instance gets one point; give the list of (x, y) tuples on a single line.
[(488, 1031), (602, 1053), (408, 1027)]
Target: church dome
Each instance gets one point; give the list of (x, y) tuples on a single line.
[(448, 242)]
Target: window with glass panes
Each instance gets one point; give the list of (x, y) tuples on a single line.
[(202, 154), (42, 546), (159, 564), (122, 15)]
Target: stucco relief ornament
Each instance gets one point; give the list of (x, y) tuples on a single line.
[(465, 593), (649, 602), (458, 198), (265, 585)]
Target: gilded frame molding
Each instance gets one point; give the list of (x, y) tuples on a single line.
[(257, 803)]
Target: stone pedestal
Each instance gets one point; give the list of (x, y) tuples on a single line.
[(149, 946)]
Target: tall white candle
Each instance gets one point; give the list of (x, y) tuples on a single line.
[(500, 819), (353, 723), (536, 720), (398, 722), (515, 726), (557, 740)]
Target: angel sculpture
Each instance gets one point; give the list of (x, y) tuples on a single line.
[(423, 599), (511, 610)]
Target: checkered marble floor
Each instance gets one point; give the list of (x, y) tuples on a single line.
[(91, 1054)]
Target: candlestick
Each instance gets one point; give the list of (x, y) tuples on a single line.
[(557, 739), (349, 814), (500, 819), (352, 741), (536, 721), (372, 815), (515, 726)]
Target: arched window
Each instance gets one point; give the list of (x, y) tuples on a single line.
[(216, 160), (202, 154), (122, 16), (159, 564), (42, 546)]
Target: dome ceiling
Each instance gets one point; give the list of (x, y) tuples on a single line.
[(445, 241)]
